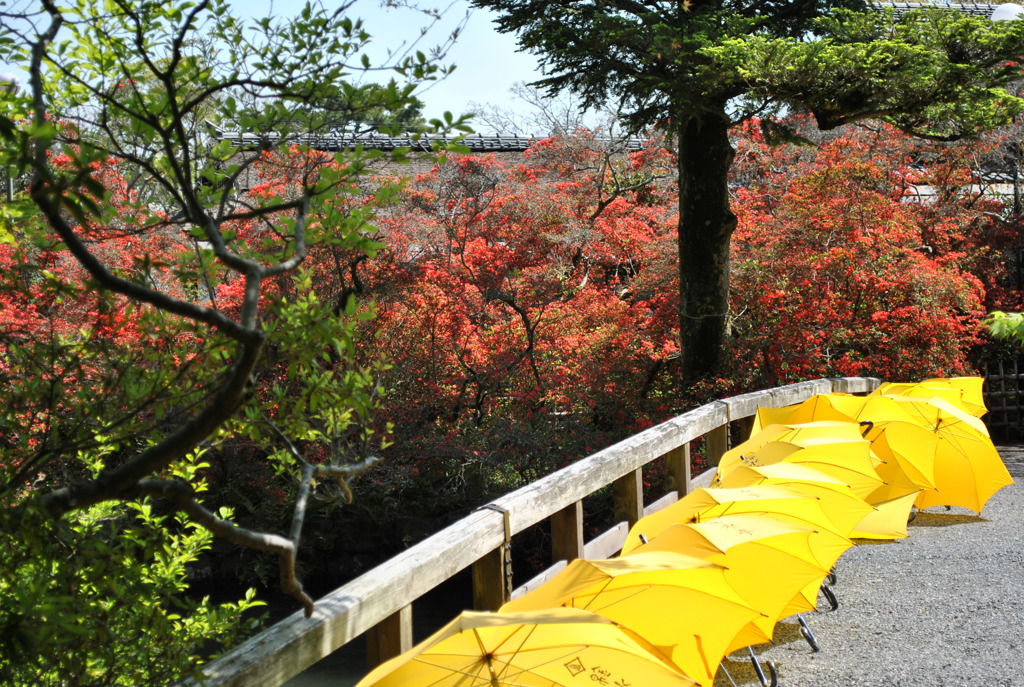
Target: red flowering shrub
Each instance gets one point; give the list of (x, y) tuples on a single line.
[(841, 271)]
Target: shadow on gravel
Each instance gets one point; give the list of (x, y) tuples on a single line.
[(741, 671), (926, 519), (788, 631), (875, 542), (739, 667)]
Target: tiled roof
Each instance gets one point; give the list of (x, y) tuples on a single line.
[(477, 143), (975, 9)]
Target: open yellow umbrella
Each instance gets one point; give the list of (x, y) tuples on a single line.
[(828, 542), (666, 597), (556, 647), (907, 454), (968, 470), (769, 562), (962, 468), (889, 519), (963, 392), (907, 451), (849, 460), (817, 408), (931, 413), (839, 502)]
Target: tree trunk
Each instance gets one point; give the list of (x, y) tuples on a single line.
[(706, 223)]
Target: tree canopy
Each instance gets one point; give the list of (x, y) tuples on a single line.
[(700, 68), (152, 314)]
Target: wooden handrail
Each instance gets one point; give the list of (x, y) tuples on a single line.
[(379, 601)]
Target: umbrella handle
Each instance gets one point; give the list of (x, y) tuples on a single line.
[(805, 630), (773, 672), (831, 578), (830, 596), (868, 426)]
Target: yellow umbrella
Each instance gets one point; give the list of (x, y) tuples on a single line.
[(780, 503), (963, 392), (817, 408), (907, 451), (931, 413), (849, 460), (839, 502), (664, 596), (556, 647), (968, 470), (907, 454), (769, 562), (963, 470), (889, 519), (814, 431)]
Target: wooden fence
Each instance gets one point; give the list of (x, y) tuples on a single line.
[(1004, 397), (379, 602)]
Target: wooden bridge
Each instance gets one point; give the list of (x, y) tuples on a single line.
[(379, 603)]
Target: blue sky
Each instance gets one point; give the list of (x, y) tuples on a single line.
[(487, 62)]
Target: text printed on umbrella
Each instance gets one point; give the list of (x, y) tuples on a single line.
[(597, 674)]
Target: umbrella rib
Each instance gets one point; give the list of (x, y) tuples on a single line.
[(450, 669), (485, 657), (495, 677), (593, 597), (634, 590)]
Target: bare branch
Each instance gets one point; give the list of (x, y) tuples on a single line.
[(182, 495), (113, 482)]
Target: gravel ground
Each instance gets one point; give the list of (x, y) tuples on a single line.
[(942, 608)]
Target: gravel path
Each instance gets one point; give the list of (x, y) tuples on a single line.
[(942, 608)]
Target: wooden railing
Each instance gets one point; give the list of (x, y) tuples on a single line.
[(379, 603)]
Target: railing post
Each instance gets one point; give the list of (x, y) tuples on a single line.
[(489, 588), (716, 444), (492, 574), (746, 425), (389, 638), (677, 463), (628, 492), (567, 533)]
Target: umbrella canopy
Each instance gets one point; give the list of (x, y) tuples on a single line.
[(817, 408), (968, 470), (963, 392), (780, 503), (664, 596), (932, 413), (907, 453), (848, 460), (888, 521), (769, 562), (768, 428), (557, 647), (839, 502)]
